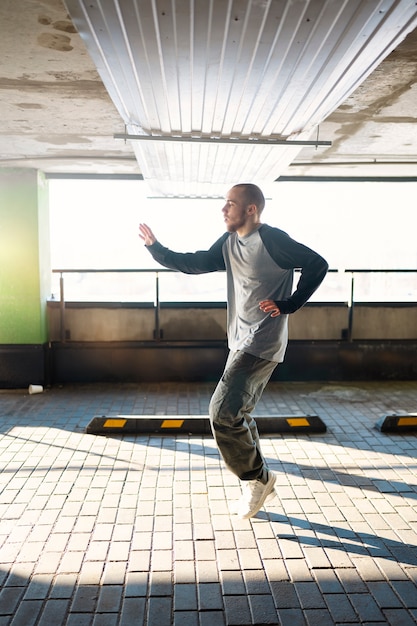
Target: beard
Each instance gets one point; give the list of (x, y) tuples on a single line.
[(233, 226)]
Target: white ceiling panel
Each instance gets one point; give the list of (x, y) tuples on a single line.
[(232, 69)]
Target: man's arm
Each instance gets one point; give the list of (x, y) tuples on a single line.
[(289, 254), (200, 262)]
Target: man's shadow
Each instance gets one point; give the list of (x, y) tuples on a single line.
[(343, 539)]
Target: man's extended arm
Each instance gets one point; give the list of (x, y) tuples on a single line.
[(200, 262)]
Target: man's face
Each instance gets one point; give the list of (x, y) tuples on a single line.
[(235, 211)]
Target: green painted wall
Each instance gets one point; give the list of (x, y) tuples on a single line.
[(24, 256)]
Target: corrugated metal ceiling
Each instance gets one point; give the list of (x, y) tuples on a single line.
[(232, 69)]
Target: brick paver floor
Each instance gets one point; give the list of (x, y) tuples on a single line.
[(135, 530)]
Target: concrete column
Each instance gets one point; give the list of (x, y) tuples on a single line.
[(25, 269)]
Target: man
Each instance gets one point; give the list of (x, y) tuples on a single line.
[(259, 261)]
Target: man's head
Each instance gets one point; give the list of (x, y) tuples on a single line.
[(252, 195), (244, 205)]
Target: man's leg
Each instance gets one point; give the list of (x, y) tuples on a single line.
[(234, 429)]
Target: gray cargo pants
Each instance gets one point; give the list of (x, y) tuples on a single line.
[(244, 378)]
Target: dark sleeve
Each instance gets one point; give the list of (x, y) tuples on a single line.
[(200, 262), (289, 254)]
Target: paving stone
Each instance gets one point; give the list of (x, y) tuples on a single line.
[(399, 617), (185, 598), (256, 582), (237, 611), (249, 558), (340, 608), (162, 560), (63, 586), (209, 597), (367, 569), (19, 575), (184, 572), (136, 584), (54, 612), (412, 574), (90, 574), (10, 598), (391, 569), (186, 618), (207, 571), (232, 583), (298, 570), (212, 618), (184, 550), (339, 558), (133, 611), (351, 581), (291, 549), (71, 562), (85, 599), (285, 595), (228, 559), (291, 617), (328, 581), (139, 561), (269, 549), (309, 595), (384, 595), (366, 607), (318, 617), (109, 599), (225, 540), (160, 584), (407, 591), (38, 587), (316, 558), (159, 611), (114, 573), (276, 570), (262, 609), (27, 613)]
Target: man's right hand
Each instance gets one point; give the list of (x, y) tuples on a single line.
[(146, 234), (269, 306)]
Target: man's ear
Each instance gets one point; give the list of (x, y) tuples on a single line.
[(251, 209)]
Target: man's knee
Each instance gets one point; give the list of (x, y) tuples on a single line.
[(228, 410)]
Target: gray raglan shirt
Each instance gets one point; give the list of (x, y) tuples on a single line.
[(253, 276), (259, 267)]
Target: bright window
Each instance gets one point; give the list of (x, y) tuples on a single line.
[(355, 225)]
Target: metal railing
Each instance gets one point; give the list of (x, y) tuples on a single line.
[(157, 301), (351, 300)]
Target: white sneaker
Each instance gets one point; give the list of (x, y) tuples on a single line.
[(254, 495)]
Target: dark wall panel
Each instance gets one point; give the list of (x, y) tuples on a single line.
[(22, 365)]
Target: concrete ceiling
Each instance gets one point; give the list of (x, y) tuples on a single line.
[(56, 115)]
